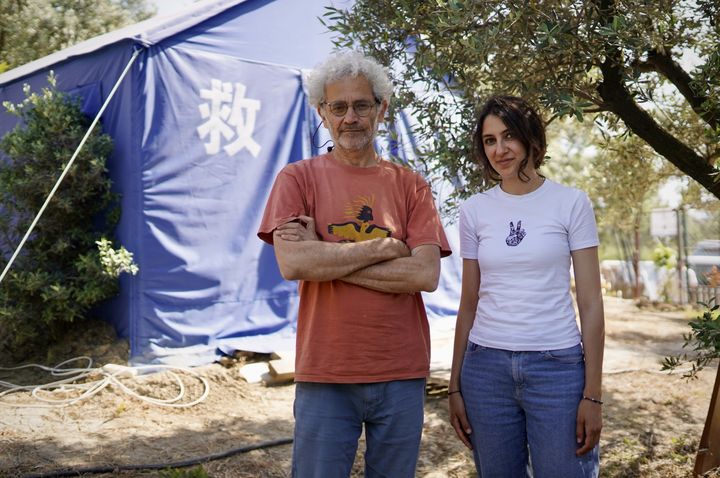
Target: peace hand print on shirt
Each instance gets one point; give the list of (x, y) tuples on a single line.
[(516, 234)]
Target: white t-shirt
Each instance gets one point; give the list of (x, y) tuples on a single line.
[(522, 244)]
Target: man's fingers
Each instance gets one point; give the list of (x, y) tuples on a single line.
[(301, 228), (307, 220), (289, 236), (288, 226)]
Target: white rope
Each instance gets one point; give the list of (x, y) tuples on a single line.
[(79, 381), (68, 166)]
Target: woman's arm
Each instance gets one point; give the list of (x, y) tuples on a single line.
[(465, 319), (592, 323)]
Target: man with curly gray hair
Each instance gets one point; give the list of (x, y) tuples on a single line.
[(363, 237)]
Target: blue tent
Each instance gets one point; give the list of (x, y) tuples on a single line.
[(212, 108)]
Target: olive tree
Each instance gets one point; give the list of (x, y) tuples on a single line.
[(648, 67), (31, 29)]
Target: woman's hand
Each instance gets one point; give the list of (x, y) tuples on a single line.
[(589, 425), (301, 229), (458, 419)]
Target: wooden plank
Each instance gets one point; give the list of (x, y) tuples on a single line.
[(253, 372), (282, 369)]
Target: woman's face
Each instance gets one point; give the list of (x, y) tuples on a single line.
[(504, 150)]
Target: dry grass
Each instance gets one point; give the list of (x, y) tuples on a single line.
[(653, 421)]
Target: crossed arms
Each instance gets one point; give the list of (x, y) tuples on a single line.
[(385, 265)]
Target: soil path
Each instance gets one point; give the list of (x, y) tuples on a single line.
[(653, 421)]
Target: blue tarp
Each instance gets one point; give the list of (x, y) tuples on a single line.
[(211, 111)]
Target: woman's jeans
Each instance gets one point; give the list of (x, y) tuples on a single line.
[(525, 402), (329, 419)]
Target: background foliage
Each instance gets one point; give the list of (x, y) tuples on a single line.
[(67, 266), (704, 341), (31, 29), (649, 69)]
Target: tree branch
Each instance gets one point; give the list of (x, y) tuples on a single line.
[(670, 69), (618, 100)]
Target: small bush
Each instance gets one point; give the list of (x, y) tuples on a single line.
[(703, 339), (68, 265)]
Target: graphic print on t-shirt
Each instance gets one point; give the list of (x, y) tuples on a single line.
[(516, 234), (360, 209)]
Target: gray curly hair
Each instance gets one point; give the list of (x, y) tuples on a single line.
[(345, 64)]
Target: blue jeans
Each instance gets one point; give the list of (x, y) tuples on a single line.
[(329, 419), (521, 403)]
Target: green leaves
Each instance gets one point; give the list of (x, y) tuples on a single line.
[(68, 265), (614, 28), (664, 256), (35, 28), (565, 104), (703, 339), (552, 52)]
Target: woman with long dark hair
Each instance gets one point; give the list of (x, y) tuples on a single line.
[(525, 388)]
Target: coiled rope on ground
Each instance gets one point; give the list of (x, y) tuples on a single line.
[(79, 381)]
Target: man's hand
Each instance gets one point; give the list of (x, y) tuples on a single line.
[(301, 229), (302, 255), (404, 274)]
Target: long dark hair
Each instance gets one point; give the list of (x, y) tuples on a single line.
[(521, 120)]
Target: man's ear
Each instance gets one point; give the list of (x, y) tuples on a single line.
[(382, 110), (322, 116)]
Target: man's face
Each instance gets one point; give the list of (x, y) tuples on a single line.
[(351, 132)]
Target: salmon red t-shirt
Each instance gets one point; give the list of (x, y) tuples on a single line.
[(347, 333)]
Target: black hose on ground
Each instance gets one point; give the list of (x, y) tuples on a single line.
[(160, 466)]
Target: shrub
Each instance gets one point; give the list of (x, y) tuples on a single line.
[(68, 264), (703, 338)]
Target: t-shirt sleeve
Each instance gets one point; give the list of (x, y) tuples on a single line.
[(468, 235), (286, 202), (424, 225), (582, 230)]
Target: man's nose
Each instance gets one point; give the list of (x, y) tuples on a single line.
[(350, 115)]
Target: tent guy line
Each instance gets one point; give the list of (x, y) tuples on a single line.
[(68, 166), (211, 111)]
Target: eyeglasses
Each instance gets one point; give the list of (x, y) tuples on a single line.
[(361, 108)]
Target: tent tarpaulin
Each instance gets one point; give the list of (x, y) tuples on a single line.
[(213, 108)]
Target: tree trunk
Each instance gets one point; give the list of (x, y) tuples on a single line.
[(636, 256), (708, 455)]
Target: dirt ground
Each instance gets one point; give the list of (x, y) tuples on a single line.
[(653, 421)]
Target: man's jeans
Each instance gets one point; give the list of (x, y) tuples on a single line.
[(329, 419), (520, 402)]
